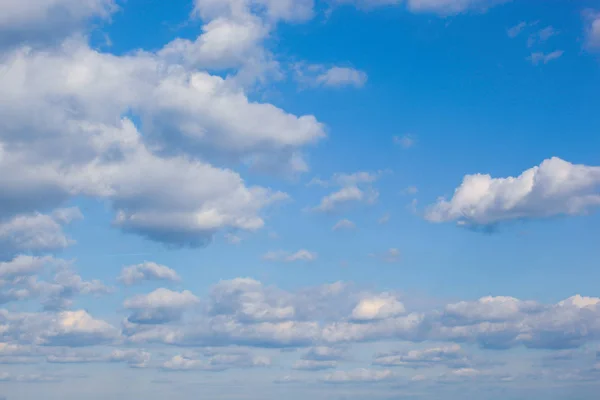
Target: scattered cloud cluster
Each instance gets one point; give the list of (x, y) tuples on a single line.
[(50, 280)]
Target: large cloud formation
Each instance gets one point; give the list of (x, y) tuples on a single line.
[(67, 129)]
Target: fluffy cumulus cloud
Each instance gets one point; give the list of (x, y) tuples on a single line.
[(379, 307), (36, 233), (243, 312), (82, 141), (160, 306), (147, 271), (50, 280), (344, 224), (353, 188), (555, 187), (73, 329)]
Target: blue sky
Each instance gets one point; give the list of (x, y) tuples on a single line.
[(343, 199)]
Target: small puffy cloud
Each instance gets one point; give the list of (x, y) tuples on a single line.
[(341, 76), (23, 265), (555, 187), (406, 141), (314, 75), (544, 58), (344, 224), (378, 307), (147, 271), (346, 195), (411, 190), (542, 35), (500, 308), (75, 329), (283, 256), (248, 300), (385, 218), (515, 30), (314, 365), (160, 306), (218, 362), (361, 375), (181, 363), (28, 279), (354, 188), (134, 358), (36, 232), (325, 353), (452, 356)]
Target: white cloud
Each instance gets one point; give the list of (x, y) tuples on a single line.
[(218, 362), (411, 190), (592, 30), (378, 307), (451, 7), (47, 21), (23, 265), (76, 328), (36, 232), (346, 195), (541, 36), (314, 365), (344, 224), (147, 271), (451, 356), (134, 358), (555, 187), (248, 300), (544, 58), (23, 275), (515, 30), (385, 218), (300, 255), (315, 75), (361, 375), (160, 306), (406, 141), (341, 76), (79, 144), (325, 353)]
